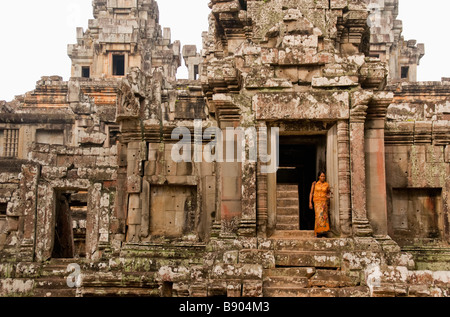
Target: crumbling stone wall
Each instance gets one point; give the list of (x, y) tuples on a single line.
[(418, 169)]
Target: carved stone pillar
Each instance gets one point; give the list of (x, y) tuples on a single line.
[(360, 221), (375, 162), (29, 186), (345, 209), (229, 171), (262, 199)]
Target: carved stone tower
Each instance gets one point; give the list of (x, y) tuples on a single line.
[(123, 35)]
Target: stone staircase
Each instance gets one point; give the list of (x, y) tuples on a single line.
[(136, 271), (309, 267), (288, 215), (53, 280)]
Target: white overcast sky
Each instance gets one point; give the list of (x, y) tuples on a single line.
[(35, 34)]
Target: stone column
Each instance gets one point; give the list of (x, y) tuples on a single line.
[(247, 227), (376, 163), (230, 176), (262, 198), (360, 221), (345, 209), (28, 197), (230, 189), (136, 154)]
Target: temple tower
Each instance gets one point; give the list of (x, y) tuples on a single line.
[(123, 35)]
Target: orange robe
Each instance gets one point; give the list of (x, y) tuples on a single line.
[(320, 199)]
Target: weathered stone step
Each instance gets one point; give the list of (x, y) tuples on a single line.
[(287, 194), (285, 281), (287, 202), (290, 271), (287, 211), (51, 283), (358, 291), (314, 244), (292, 235), (55, 292), (287, 187), (333, 279), (287, 219), (134, 279), (58, 267), (318, 259), (284, 226), (298, 292), (191, 253), (55, 270), (120, 292)]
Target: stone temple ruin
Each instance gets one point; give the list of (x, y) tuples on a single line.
[(92, 202)]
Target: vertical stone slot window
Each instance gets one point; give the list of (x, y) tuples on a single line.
[(10, 143), (3, 207), (2, 143), (196, 71), (118, 67), (405, 72), (85, 72), (167, 289)]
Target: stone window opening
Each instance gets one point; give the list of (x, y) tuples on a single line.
[(85, 72), (3, 208), (404, 72), (9, 143), (196, 72), (70, 224), (118, 65), (167, 289), (113, 133), (243, 4)]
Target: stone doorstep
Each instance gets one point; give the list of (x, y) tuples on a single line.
[(292, 235), (55, 293), (333, 279), (120, 291), (287, 202), (287, 219), (288, 211), (306, 272), (357, 291), (318, 259), (287, 194), (286, 226), (299, 292), (54, 271), (419, 291), (313, 244), (52, 283), (285, 281), (384, 290)]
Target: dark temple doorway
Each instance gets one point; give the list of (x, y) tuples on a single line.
[(70, 225), (300, 160)]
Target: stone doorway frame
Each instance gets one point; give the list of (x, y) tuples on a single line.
[(338, 160), (46, 216)]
